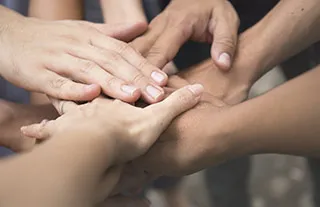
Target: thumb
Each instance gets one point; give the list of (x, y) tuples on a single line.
[(41, 131), (175, 104), (225, 36), (124, 31)]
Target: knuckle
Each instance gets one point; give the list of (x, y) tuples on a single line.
[(156, 54), (123, 48), (139, 78), (142, 64), (70, 39), (226, 42), (113, 57), (111, 83), (58, 83), (232, 14), (87, 66), (183, 25), (85, 27)]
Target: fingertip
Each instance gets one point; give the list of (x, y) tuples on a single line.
[(28, 132), (154, 94), (222, 59), (196, 89), (90, 92), (131, 93), (23, 129), (161, 78)]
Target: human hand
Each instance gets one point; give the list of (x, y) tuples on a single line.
[(135, 129), (71, 59), (213, 21), (13, 116), (190, 143), (183, 146)]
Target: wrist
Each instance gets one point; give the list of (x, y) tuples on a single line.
[(253, 58), (226, 140), (229, 87)]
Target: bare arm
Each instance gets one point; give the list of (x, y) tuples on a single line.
[(120, 11), (53, 10), (72, 168), (285, 120), (56, 10), (288, 29), (59, 171)]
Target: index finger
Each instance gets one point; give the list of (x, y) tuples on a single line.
[(167, 45)]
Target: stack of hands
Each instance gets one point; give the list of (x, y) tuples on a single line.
[(113, 143)]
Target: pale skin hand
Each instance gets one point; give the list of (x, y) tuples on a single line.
[(81, 51), (203, 20), (53, 10), (97, 133)]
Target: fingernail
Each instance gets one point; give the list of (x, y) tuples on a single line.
[(153, 92), (128, 89), (196, 89), (23, 128), (225, 59), (158, 77)]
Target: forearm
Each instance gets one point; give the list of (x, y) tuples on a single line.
[(64, 172), (55, 10), (7, 22), (285, 120), (287, 29), (119, 11)]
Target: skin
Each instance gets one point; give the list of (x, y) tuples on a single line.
[(282, 121), (183, 154), (87, 53), (13, 116), (77, 141), (73, 10), (213, 21), (115, 11)]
